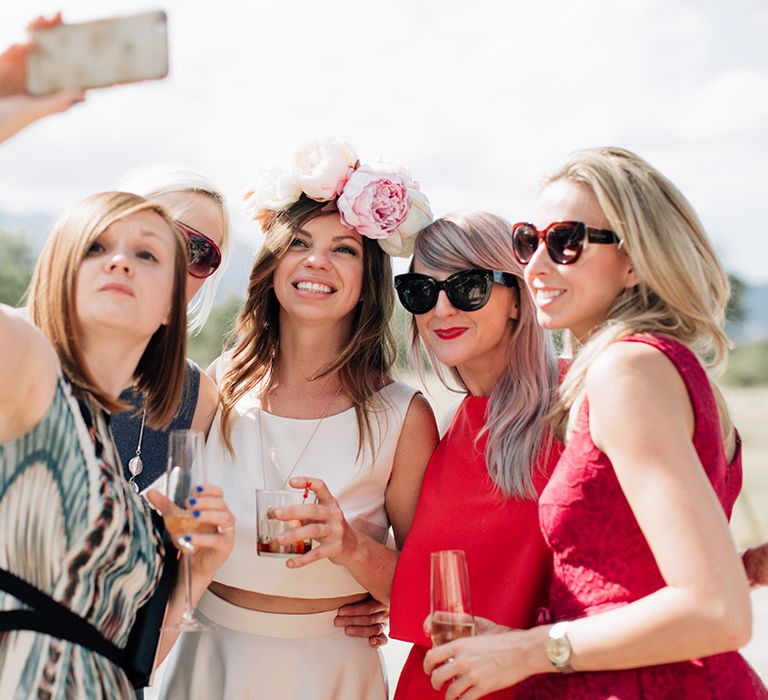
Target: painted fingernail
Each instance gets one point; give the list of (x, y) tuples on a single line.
[(196, 513), (192, 501), (199, 489), (187, 538)]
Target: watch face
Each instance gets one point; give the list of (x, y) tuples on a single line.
[(559, 651)]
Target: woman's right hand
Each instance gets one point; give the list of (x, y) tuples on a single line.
[(364, 619)]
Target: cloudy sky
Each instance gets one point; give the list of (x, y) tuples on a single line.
[(478, 98)]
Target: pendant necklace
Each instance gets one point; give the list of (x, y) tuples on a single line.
[(273, 452), (135, 465)]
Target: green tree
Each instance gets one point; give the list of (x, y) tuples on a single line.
[(16, 263), (736, 311), (208, 344)]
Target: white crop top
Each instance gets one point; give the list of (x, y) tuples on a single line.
[(357, 484)]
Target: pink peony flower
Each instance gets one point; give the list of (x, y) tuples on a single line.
[(321, 166), (375, 200), (400, 243)]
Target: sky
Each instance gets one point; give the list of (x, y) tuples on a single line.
[(477, 98)]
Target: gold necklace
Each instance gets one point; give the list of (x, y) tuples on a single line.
[(273, 452)]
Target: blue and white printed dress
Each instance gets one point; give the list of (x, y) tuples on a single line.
[(72, 527)]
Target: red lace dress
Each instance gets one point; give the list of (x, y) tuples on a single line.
[(602, 560), (461, 508)]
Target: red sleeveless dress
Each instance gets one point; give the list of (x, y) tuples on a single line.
[(461, 508), (602, 560)]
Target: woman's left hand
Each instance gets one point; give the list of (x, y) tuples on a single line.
[(323, 521), (213, 545), (476, 666)]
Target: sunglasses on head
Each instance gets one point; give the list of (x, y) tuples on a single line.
[(203, 255), (467, 290), (564, 240)]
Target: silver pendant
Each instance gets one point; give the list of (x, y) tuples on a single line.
[(135, 467)]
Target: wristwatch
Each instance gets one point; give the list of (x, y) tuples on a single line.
[(559, 648)]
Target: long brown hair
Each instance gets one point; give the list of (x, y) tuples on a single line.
[(161, 368), (365, 358)]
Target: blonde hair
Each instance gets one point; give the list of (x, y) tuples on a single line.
[(526, 391), (364, 360), (683, 289), (166, 178), (160, 371)]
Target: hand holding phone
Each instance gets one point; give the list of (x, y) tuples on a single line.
[(97, 54)]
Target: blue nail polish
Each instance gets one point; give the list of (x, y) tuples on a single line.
[(192, 501), (196, 513), (187, 538), (199, 489)]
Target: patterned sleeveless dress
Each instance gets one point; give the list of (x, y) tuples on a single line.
[(72, 527), (602, 560)]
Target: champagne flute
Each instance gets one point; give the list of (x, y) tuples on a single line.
[(450, 604), (186, 470)]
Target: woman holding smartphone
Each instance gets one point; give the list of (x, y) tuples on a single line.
[(79, 551), (649, 597), (476, 321)]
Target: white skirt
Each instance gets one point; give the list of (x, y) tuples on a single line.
[(268, 656)]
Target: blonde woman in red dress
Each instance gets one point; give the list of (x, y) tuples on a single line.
[(649, 598)]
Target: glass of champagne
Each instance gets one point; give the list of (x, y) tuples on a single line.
[(449, 597), (185, 471)]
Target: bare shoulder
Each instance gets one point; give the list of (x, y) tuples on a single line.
[(420, 411), (28, 369), (635, 384), (629, 367), (207, 403)]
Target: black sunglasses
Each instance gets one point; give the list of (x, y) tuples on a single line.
[(203, 255), (467, 290), (564, 240)]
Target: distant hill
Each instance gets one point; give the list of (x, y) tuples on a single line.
[(233, 283), (755, 327)]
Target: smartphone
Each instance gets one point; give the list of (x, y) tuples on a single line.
[(99, 53)]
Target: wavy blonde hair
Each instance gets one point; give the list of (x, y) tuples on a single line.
[(526, 391), (683, 290), (364, 360), (161, 369)]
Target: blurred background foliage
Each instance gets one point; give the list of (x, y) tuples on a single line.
[(747, 365)]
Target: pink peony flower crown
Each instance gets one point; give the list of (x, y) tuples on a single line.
[(379, 201)]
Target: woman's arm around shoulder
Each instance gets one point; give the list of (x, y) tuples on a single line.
[(28, 373), (207, 403), (418, 439)]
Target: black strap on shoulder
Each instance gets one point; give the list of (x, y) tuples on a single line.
[(51, 617)]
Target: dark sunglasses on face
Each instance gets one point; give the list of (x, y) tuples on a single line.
[(467, 290), (203, 255), (564, 240)]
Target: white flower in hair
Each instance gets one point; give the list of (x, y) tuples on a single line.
[(322, 166), (274, 188), (379, 201)]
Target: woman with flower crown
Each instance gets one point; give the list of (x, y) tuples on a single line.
[(308, 403)]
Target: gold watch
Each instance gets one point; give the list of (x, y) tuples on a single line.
[(559, 648)]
